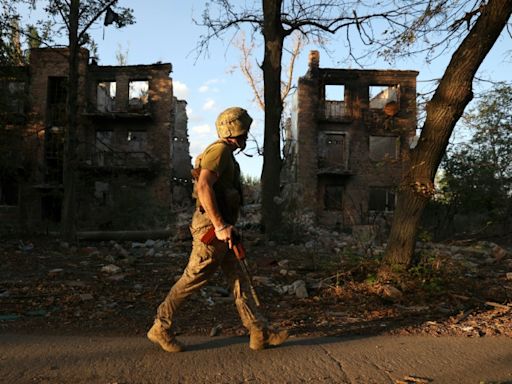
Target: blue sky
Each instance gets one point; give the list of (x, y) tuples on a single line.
[(164, 32)]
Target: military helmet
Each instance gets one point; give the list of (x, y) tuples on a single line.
[(233, 122)]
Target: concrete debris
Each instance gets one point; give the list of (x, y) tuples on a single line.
[(263, 280), (117, 277), (215, 331), (110, 258), (390, 292), (111, 268), (297, 288), (499, 253), (149, 243), (55, 272)]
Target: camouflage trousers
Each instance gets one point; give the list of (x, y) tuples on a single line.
[(203, 263)]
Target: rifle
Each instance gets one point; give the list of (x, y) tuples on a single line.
[(239, 251)]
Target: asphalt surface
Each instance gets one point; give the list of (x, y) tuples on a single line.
[(382, 359)]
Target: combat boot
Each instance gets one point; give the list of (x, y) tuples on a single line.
[(263, 338), (159, 335)]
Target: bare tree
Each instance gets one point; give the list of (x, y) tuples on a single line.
[(254, 76)]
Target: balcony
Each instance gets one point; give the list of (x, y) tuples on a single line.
[(334, 171), (334, 111), (109, 160)]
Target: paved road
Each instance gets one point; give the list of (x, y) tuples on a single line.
[(382, 359)]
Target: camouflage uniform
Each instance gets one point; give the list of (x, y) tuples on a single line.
[(206, 259)]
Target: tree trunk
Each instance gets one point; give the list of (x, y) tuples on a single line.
[(70, 145), (270, 179), (443, 111)]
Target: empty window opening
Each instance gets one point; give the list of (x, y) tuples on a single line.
[(332, 150), (8, 190), (54, 155), (333, 198), (51, 207), (335, 92), (136, 147), (106, 96), (335, 106), (104, 140), (102, 192), (384, 147), (57, 95), (103, 152), (382, 95), (138, 94), (137, 141), (381, 199)]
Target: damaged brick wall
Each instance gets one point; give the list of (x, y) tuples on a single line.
[(126, 125), (351, 132)]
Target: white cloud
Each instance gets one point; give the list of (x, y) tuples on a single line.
[(209, 105), (202, 129), (207, 86), (180, 90)]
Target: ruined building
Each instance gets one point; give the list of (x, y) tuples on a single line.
[(348, 142), (134, 163)]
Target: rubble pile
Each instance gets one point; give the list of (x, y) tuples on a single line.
[(323, 284)]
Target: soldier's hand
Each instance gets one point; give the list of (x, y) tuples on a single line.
[(226, 234)]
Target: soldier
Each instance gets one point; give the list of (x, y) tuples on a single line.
[(218, 199)]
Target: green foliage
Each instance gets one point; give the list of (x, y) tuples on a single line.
[(424, 235), (428, 272), (478, 174)]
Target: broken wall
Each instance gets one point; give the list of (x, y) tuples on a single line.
[(352, 145), (127, 120)]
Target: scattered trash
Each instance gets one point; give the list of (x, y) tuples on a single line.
[(25, 247)]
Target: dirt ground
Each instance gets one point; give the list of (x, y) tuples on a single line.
[(113, 288)]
